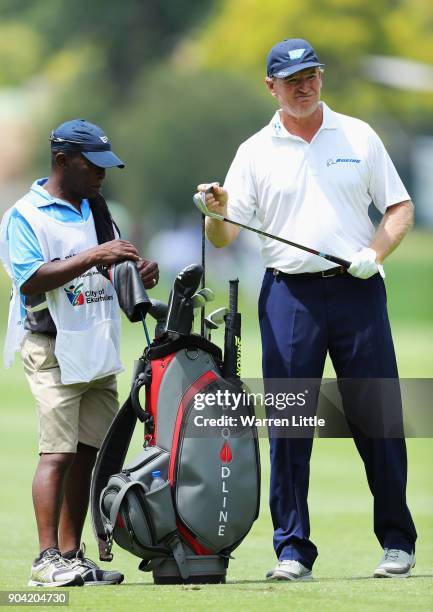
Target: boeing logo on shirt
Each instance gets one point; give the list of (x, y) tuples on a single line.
[(75, 295), (342, 160)]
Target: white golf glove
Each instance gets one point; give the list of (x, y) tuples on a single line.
[(364, 264)]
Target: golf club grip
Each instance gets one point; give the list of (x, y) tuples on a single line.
[(232, 336), (233, 295), (337, 260)]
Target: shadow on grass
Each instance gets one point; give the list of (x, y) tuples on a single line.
[(270, 585)]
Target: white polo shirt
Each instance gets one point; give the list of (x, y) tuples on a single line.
[(317, 193)]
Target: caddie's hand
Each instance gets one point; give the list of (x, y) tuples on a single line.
[(364, 264), (114, 251), (149, 273), (216, 198)]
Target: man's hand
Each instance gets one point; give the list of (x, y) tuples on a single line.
[(364, 264), (219, 233), (149, 273), (114, 251), (56, 273), (216, 198)]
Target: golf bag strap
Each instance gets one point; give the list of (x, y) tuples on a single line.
[(143, 378), (115, 508), (110, 461)]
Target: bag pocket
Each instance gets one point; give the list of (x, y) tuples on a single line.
[(127, 517), (140, 520), (132, 529), (161, 510)]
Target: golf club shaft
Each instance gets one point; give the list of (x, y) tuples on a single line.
[(203, 263), (337, 260)]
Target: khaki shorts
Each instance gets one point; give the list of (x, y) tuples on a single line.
[(68, 414)]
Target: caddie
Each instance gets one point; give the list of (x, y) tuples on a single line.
[(310, 176), (64, 317)]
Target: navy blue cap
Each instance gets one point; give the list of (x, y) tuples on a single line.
[(290, 56), (88, 139)]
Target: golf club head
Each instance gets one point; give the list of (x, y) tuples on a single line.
[(209, 326), (199, 200), (207, 293), (198, 300), (180, 306), (160, 329), (158, 311), (217, 316), (131, 294)]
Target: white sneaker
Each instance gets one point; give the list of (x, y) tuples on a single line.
[(289, 570), (51, 570), (395, 564)]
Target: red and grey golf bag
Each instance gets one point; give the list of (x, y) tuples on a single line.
[(206, 452)]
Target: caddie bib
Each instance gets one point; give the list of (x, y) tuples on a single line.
[(15, 329), (85, 310)]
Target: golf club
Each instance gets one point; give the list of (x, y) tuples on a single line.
[(198, 301), (209, 326), (180, 306), (232, 334), (200, 201), (214, 320), (158, 311), (217, 316), (207, 293)]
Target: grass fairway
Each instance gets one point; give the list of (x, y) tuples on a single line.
[(340, 503)]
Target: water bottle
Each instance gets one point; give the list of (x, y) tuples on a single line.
[(157, 481)]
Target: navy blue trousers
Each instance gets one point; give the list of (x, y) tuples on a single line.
[(301, 320)]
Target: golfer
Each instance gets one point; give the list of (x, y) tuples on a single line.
[(310, 176), (64, 316)]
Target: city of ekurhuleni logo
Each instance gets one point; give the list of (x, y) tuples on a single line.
[(75, 295)]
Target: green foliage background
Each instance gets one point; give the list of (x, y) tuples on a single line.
[(178, 85)]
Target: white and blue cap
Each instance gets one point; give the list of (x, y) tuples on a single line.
[(290, 56), (88, 139)]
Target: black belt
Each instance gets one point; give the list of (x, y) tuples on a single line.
[(338, 271)]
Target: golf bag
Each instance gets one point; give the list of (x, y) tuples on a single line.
[(185, 529)]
